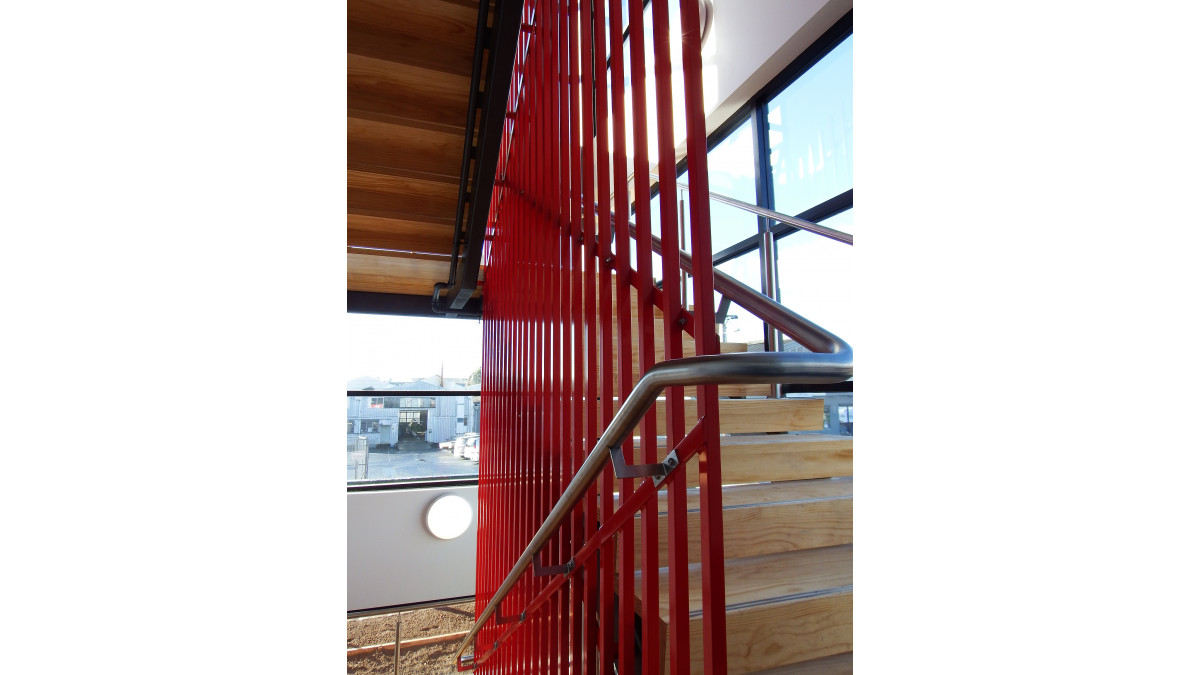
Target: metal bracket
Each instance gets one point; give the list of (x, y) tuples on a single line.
[(658, 472), (670, 463), (509, 619), (544, 571)]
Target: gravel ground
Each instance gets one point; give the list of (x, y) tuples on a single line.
[(434, 659)]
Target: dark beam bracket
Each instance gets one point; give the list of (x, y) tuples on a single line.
[(395, 304), (503, 38)]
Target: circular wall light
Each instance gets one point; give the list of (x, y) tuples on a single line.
[(448, 517)]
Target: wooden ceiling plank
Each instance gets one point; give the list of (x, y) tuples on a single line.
[(386, 171), (404, 207), (406, 91), (396, 214), (444, 22), (386, 145), (414, 255), (366, 109), (399, 235), (414, 50)]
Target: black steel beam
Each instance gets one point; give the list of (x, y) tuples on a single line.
[(393, 304), (505, 32), (418, 393), (481, 32)]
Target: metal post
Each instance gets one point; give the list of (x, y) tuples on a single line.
[(770, 287)]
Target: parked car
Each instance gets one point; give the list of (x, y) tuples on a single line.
[(447, 445), (471, 449), (460, 444)]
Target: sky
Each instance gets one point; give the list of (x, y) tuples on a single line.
[(404, 348)]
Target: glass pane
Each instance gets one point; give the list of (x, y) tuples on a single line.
[(731, 173), (811, 134), (396, 434), (810, 269), (739, 324)]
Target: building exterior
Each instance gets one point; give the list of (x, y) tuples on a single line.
[(393, 416)]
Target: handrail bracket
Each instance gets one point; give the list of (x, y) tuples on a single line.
[(509, 619), (540, 570), (658, 472)]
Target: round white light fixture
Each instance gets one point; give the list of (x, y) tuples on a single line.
[(448, 517)]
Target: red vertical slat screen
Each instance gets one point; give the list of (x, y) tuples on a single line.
[(567, 284)]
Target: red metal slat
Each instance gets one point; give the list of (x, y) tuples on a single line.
[(585, 655), (712, 540), (625, 593), (607, 561), (677, 557), (575, 242)]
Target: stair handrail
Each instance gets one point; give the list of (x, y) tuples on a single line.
[(829, 367), (798, 223), (831, 361), (776, 315)]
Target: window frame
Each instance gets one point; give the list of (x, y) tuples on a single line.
[(755, 110)]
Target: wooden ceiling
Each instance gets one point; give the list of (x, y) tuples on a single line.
[(408, 75)]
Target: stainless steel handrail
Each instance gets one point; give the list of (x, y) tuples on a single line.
[(836, 235), (788, 322), (744, 368)]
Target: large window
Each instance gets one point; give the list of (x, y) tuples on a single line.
[(791, 149), (810, 127), (412, 394)]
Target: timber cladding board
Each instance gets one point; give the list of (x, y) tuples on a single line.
[(373, 143), (423, 51), (406, 92), (433, 22), (399, 235), (398, 196), (384, 274)]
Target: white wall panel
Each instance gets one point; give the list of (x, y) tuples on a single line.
[(392, 559)]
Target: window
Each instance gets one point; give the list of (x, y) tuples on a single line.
[(810, 127), (407, 438), (790, 150), (811, 268)]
